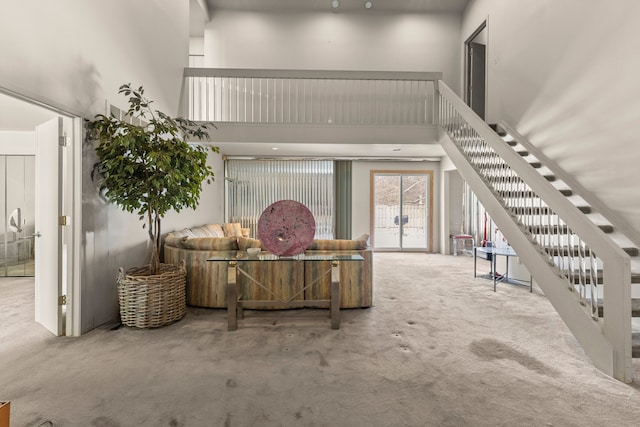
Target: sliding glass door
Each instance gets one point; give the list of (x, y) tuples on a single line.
[(402, 210)]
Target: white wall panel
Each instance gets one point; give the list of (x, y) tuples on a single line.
[(564, 73), (329, 41), (79, 53)]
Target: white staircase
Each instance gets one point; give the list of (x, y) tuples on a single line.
[(576, 256)]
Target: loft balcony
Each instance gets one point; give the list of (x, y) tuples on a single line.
[(308, 106)]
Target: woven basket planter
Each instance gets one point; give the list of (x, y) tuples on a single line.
[(150, 301)]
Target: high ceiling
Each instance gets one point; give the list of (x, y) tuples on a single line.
[(16, 115), (361, 150)]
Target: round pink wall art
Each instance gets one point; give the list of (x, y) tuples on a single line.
[(286, 228)]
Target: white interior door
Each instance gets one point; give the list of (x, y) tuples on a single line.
[(48, 235)]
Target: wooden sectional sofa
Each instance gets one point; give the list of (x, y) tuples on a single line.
[(206, 280)]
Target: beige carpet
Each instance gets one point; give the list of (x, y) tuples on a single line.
[(439, 348)]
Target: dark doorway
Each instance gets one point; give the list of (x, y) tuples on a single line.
[(475, 70)]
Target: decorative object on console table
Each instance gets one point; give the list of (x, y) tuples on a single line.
[(146, 166), (286, 228), (253, 251)]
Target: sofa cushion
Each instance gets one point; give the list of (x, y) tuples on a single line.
[(172, 240), (232, 229), (185, 232), (207, 230), (247, 242), (211, 243), (340, 244)]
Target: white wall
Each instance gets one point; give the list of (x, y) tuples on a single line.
[(75, 55), (565, 74), (330, 41), (18, 143), (361, 193)]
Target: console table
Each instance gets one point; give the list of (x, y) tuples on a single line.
[(491, 254), (238, 261)]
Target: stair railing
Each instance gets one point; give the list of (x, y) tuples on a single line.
[(559, 245)]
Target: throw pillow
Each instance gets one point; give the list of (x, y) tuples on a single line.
[(207, 230), (232, 229), (363, 241), (181, 233)]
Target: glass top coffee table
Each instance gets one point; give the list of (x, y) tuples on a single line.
[(282, 295)]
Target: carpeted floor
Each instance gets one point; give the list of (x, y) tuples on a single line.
[(439, 348)]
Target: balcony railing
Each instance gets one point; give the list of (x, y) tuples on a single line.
[(309, 97)]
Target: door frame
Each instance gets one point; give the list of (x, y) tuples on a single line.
[(73, 203), (468, 66), (401, 172)]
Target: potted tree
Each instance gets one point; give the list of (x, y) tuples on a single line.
[(146, 166)]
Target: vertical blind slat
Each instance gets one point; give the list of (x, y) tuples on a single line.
[(257, 184)]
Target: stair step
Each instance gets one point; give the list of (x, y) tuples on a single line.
[(535, 164), (635, 308), (523, 152), (497, 129), (543, 211), (631, 251)]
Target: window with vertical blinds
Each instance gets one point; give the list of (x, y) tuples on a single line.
[(252, 185)]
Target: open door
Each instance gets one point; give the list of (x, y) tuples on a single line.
[(477, 60), (50, 274), (475, 70)]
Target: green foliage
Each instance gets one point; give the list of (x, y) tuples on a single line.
[(146, 166)]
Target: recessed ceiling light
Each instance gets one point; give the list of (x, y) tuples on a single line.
[(368, 4), (274, 148), (335, 4)]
